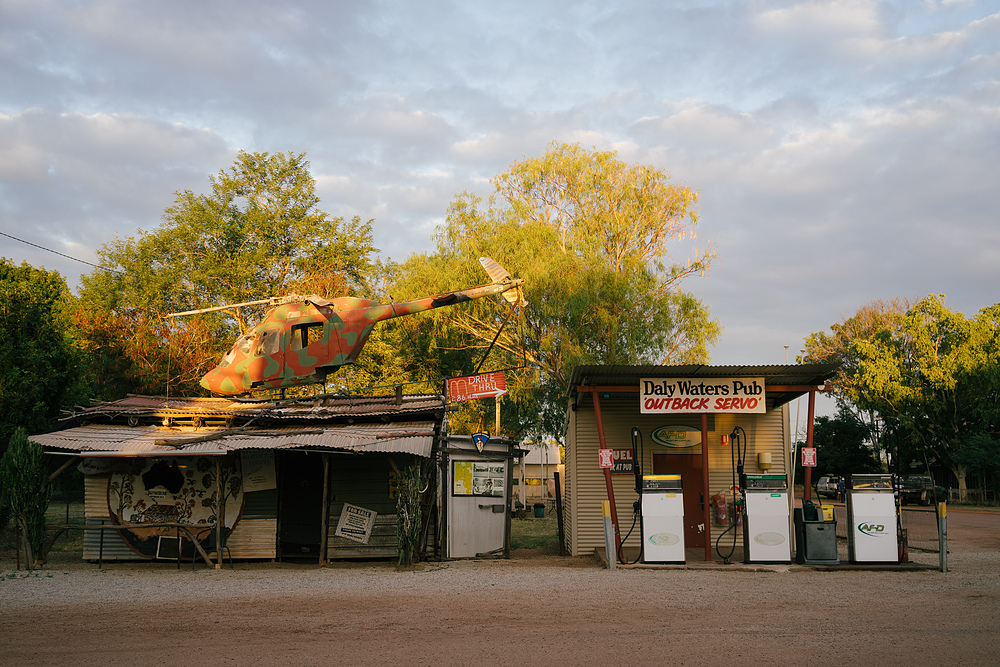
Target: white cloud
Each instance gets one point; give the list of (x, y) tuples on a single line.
[(843, 150)]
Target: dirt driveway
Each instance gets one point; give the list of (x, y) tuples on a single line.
[(531, 609)]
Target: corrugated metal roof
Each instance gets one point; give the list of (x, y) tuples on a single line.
[(309, 407), (411, 438), (774, 375)]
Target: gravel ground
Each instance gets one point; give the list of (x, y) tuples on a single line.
[(529, 609)]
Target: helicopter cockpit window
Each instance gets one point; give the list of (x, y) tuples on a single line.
[(268, 343), (242, 346), (303, 334)]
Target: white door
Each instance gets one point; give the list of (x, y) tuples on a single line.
[(477, 506)]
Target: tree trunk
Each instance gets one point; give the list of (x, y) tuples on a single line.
[(959, 472), (29, 550)]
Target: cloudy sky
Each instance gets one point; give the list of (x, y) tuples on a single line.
[(844, 150)]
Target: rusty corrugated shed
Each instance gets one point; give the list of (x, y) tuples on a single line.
[(308, 407), (93, 440)]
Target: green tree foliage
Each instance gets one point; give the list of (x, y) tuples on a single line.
[(836, 347), (591, 236), (930, 374), (258, 233), (40, 367), (26, 491)]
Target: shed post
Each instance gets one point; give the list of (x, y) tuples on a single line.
[(807, 492), (324, 524), (220, 514), (607, 471)]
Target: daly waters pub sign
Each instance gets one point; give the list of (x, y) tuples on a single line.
[(697, 396)]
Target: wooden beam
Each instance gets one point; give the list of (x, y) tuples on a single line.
[(798, 387)]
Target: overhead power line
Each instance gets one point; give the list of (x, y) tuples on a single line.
[(54, 252)]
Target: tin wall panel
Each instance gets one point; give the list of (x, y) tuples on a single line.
[(113, 547), (95, 496), (254, 538)]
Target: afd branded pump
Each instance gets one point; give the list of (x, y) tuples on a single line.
[(660, 509), (871, 512)]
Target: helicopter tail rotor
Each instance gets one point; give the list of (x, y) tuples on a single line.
[(500, 275)]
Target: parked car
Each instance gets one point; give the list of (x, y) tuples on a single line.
[(920, 489), (828, 487)]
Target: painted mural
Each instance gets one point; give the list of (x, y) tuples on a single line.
[(174, 490)]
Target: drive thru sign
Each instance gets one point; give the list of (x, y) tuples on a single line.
[(486, 385)]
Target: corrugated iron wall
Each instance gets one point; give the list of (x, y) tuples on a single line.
[(95, 511), (255, 536)]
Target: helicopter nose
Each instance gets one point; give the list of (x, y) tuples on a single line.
[(219, 382)]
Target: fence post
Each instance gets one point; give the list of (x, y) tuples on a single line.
[(609, 534), (942, 514)]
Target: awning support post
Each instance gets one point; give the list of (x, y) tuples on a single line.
[(607, 472), (707, 518), (807, 492)]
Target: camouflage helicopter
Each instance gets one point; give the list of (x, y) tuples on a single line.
[(302, 340)]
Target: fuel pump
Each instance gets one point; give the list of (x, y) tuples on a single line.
[(660, 509), (765, 513)]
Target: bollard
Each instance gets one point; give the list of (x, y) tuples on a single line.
[(609, 534), (942, 512)]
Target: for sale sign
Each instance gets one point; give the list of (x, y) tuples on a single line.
[(701, 395)]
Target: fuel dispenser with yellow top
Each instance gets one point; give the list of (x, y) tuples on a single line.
[(662, 519)]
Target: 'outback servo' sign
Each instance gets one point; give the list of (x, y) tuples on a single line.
[(690, 395)]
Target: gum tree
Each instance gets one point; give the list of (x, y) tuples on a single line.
[(258, 233), (593, 238), (930, 374)]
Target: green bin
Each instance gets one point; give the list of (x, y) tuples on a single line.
[(539, 510)]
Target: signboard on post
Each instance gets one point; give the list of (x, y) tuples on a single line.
[(808, 457), (469, 387)]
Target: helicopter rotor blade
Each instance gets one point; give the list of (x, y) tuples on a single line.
[(259, 302)]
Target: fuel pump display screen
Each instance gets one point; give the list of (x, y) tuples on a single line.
[(765, 482)]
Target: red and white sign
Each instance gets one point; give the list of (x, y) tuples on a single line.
[(486, 385), (606, 458), (622, 462), (702, 395), (808, 457)]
